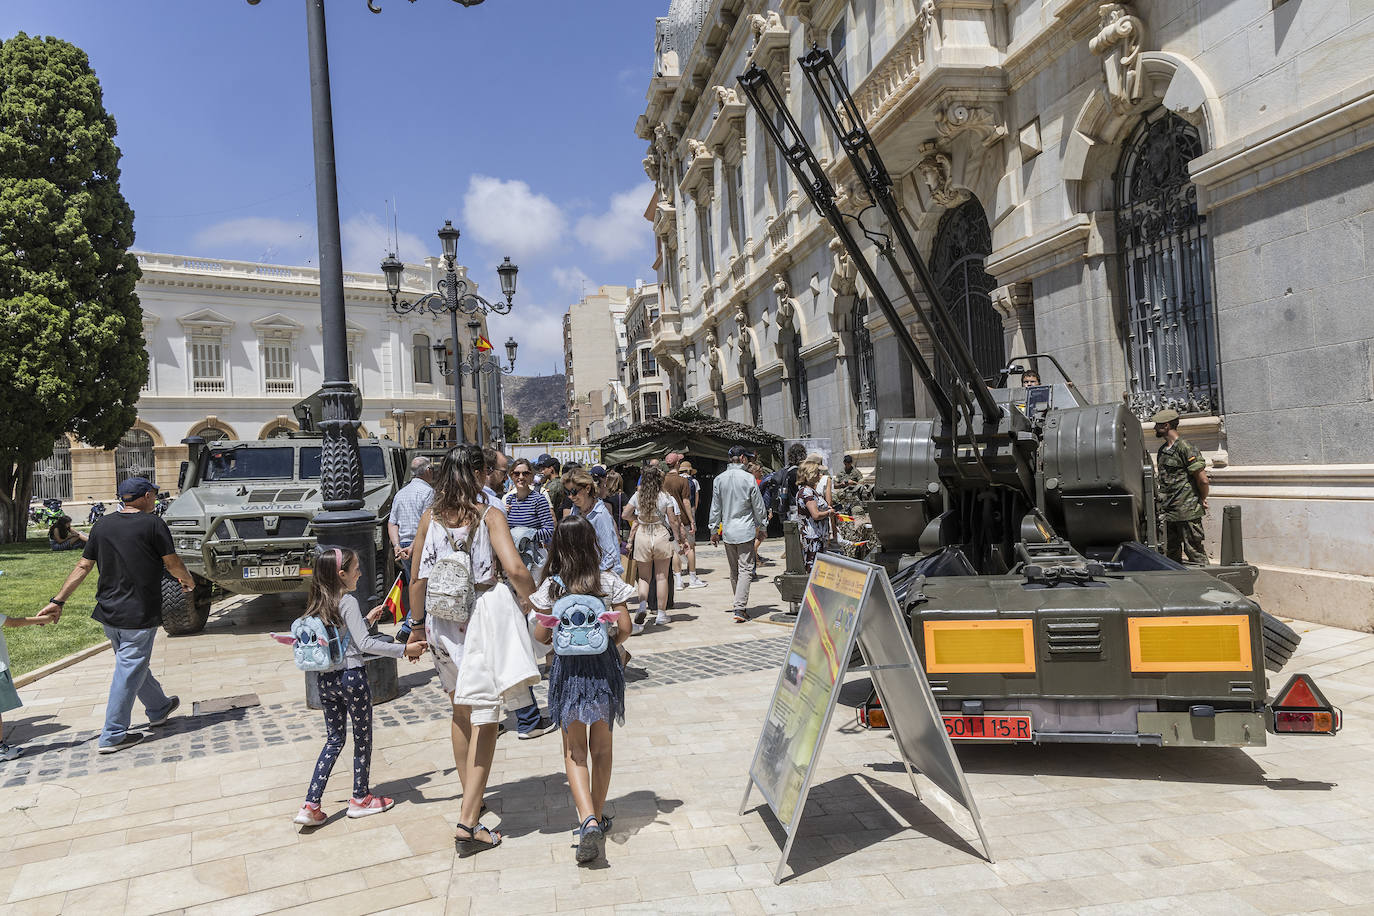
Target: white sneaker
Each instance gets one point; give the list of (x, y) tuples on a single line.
[(636, 629), (677, 581), (694, 582), (662, 618)]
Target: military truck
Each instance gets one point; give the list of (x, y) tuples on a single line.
[(1018, 524), (243, 520)]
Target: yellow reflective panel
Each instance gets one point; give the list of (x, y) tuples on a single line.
[(980, 646), (1211, 643)]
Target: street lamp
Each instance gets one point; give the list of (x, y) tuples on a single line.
[(478, 364), (453, 296)]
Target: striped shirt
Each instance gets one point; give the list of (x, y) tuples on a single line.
[(409, 505), (531, 512)]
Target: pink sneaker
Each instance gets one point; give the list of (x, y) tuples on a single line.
[(310, 815), (373, 804)]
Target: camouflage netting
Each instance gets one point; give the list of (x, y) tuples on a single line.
[(696, 434)]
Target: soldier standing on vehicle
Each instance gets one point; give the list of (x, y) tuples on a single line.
[(1183, 488), (848, 482)]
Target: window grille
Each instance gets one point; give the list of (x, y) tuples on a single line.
[(207, 365), (1166, 260), (277, 371), (52, 477), (135, 457), (962, 241)]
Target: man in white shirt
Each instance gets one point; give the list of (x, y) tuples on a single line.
[(737, 507), (496, 478)]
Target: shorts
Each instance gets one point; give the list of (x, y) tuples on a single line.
[(446, 639), (9, 698), (652, 543)]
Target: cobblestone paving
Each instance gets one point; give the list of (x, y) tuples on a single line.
[(188, 737)]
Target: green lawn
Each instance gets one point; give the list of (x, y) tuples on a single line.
[(32, 574)]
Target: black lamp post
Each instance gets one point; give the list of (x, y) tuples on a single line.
[(453, 296), (478, 364)]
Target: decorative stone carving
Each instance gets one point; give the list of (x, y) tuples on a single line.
[(650, 162), (764, 22), (925, 19), (848, 199), (937, 171), (664, 142), (844, 276), (1119, 41), (1016, 307), (725, 95), (698, 149), (713, 360), (786, 316), (956, 117)]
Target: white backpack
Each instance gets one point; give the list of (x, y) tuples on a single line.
[(451, 593)]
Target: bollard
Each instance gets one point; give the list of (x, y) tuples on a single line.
[(381, 677)]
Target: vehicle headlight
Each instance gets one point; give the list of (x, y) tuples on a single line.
[(188, 543)]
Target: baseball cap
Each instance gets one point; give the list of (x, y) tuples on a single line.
[(598, 471), (134, 487), (737, 451), (543, 460)]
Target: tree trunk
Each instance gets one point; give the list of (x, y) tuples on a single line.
[(16, 484)]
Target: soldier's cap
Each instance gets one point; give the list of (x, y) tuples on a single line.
[(1165, 416), (135, 487), (543, 460)]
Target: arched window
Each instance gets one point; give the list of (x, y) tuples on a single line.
[(1166, 260), (134, 457), (962, 242), (419, 349), (52, 477), (212, 433), (280, 431)]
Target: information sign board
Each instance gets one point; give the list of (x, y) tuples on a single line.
[(848, 602), (586, 455)]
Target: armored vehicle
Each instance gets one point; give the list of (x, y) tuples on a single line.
[(1018, 525), (242, 521)]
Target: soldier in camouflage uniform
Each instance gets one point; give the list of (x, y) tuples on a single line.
[(1183, 488), (847, 484)]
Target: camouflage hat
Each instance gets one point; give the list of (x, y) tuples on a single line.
[(1165, 416)]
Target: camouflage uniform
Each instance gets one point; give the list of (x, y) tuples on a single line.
[(847, 487), (1180, 507)]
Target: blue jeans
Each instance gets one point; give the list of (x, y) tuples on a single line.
[(527, 717), (133, 678)]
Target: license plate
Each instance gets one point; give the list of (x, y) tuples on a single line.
[(278, 571), (989, 728)]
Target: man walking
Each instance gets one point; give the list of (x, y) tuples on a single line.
[(131, 547), (737, 508), (411, 502), (1183, 488), (676, 485)]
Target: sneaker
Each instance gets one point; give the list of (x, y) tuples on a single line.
[(162, 719), (641, 615), (543, 728), (694, 582), (10, 751), (677, 581), (741, 616), (373, 804), (637, 629), (129, 740), (309, 816), (662, 618)]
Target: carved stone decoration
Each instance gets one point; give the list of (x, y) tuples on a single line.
[(844, 276), (925, 19), (1119, 41), (956, 117), (713, 359), (937, 171), (764, 22), (850, 200), (664, 142), (1016, 307), (725, 95), (697, 148), (650, 162), (786, 317)]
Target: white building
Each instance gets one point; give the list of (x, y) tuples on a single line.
[(593, 352), (233, 345)]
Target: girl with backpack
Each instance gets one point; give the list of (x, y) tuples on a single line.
[(332, 617), (575, 607), (474, 624)]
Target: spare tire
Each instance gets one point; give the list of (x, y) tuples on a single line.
[(184, 613), (1280, 641)]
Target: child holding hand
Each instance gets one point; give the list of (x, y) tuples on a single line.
[(574, 607), (9, 699)]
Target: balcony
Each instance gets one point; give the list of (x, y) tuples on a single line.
[(667, 331)]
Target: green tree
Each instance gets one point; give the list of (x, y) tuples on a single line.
[(512, 429), (548, 431), (72, 358)]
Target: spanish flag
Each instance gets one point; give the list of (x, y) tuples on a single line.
[(393, 600), (483, 344)]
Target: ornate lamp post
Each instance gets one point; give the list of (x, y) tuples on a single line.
[(453, 296), (478, 364)]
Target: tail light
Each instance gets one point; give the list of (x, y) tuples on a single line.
[(980, 646), (1301, 709)]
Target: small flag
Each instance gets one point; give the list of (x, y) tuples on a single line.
[(845, 518), (393, 600), (483, 344)]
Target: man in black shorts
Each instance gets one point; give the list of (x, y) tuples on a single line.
[(131, 547)]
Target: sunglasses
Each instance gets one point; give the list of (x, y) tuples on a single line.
[(575, 491), (521, 474)]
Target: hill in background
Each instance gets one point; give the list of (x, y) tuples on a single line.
[(534, 399)]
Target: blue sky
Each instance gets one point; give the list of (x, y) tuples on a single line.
[(515, 119)]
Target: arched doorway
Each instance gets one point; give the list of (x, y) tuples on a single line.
[(963, 241), (135, 457), (1166, 262)]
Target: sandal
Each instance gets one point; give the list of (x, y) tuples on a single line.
[(590, 840), (470, 845)]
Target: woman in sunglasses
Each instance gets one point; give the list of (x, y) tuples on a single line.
[(526, 507), (580, 489)]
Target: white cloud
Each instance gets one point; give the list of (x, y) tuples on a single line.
[(261, 237), (538, 330), (366, 241), (573, 280), (509, 217), (621, 232)]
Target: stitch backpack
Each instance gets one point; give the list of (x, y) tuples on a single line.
[(580, 624), (316, 645), (451, 593)]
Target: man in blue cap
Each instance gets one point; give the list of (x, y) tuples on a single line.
[(131, 547)]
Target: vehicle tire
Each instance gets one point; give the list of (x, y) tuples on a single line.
[(1280, 641), (184, 613)]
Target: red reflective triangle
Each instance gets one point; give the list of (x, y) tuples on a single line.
[(1299, 694)]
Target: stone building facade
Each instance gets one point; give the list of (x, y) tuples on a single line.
[(232, 345), (646, 388), (593, 350), (1173, 198)]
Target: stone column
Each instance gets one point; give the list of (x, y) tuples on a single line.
[(1017, 308)]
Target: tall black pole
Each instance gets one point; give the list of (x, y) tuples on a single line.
[(477, 380), (457, 376), (344, 521)]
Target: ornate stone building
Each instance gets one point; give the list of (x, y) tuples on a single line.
[(1173, 198)]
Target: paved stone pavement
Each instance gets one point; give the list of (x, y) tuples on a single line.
[(198, 819)]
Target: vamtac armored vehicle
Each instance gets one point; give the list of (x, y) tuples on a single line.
[(243, 519), (1018, 526)]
